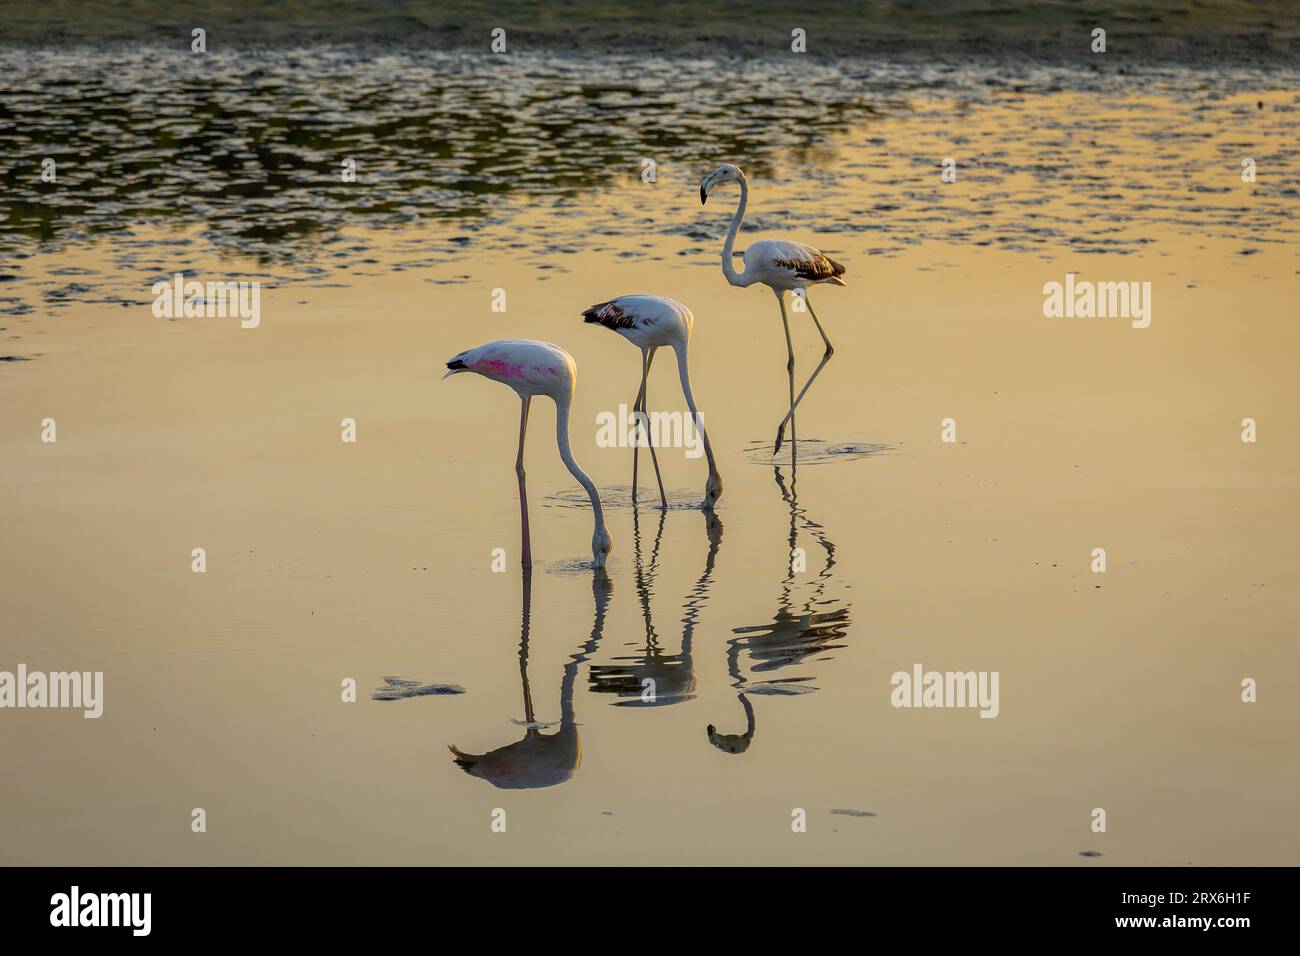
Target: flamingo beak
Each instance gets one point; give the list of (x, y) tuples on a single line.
[(706, 186)]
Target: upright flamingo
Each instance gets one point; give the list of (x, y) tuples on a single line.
[(651, 322), (782, 265), (537, 368)]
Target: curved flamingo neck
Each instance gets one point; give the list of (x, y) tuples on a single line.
[(684, 373), (728, 263), (562, 403)]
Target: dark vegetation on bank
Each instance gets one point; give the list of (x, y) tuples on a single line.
[(1194, 32)]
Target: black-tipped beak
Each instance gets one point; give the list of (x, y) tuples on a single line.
[(704, 196)]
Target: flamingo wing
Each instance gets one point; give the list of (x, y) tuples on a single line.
[(611, 315), (795, 261)]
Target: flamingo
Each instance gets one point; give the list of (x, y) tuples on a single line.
[(534, 368), (652, 322), (782, 265)]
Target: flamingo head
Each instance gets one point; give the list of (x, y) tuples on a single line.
[(729, 743), (726, 173), (457, 365), (601, 545), (712, 491)]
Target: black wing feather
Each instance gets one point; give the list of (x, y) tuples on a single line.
[(818, 267), (610, 316)]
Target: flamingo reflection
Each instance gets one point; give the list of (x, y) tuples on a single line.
[(654, 677), (795, 634), (541, 759)]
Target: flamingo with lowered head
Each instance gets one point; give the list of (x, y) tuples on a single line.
[(651, 322), (782, 265), (534, 368)]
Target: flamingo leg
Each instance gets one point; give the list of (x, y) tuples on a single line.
[(645, 397), (636, 431), (789, 368), (526, 562), (647, 358), (529, 717), (830, 350)]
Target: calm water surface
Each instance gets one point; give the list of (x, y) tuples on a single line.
[(450, 147)]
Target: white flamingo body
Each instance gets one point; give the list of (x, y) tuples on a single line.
[(782, 265), (528, 366), (647, 321), (535, 368), (786, 265), (651, 322)]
